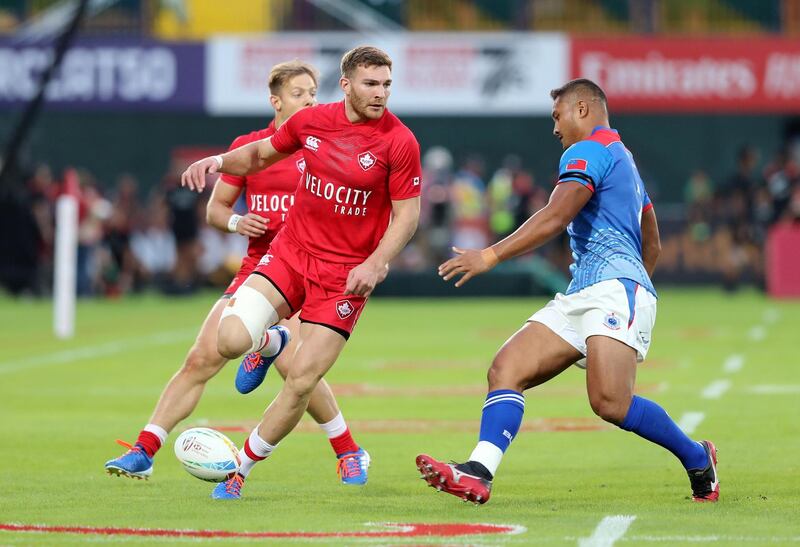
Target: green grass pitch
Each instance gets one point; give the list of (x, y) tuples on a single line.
[(411, 380)]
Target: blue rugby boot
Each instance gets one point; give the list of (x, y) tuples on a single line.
[(135, 463), (230, 489), (352, 467), (254, 366)]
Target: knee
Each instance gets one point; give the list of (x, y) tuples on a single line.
[(503, 374), (610, 409), (302, 380), (233, 339), (202, 363)]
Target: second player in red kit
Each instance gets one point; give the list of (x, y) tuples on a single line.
[(355, 209)]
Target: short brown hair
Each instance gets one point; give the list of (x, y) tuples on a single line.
[(364, 56), (581, 86), (283, 72)]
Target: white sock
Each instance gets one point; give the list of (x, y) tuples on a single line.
[(487, 454), (158, 431), (259, 448), (270, 343), (335, 427)]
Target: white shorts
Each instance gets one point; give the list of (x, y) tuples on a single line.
[(619, 309)]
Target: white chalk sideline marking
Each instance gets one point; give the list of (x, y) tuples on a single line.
[(771, 315), (716, 389), (757, 333), (101, 350), (733, 363), (775, 389), (609, 530), (690, 420)]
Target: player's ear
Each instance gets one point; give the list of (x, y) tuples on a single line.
[(583, 108), (275, 101), (344, 83)]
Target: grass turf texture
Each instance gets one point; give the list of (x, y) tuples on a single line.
[(64, 403)]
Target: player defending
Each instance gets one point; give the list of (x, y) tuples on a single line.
[(606, 315), (362, 171), (269, 193)]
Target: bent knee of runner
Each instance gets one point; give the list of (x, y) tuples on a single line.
[(243, 322), (610, 408), (202, 362), (505, 373), (302, 381)]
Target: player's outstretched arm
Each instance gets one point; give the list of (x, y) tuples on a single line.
[(242, 161), (220, 215), (651, 241), (405, 217), (566, 201)]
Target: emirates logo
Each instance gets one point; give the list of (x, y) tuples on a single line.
[(366, 160), (344, 309)]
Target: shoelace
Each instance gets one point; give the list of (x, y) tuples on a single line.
[(252, 361), (132, 449), (234, 485), (349, 466)]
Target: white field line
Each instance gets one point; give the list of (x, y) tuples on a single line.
[(775, 389), (733, 363), (757, 333), (716, 389), (67, 356), (608, 531), (690, 420), (771, 315)]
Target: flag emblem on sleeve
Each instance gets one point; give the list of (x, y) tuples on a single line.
[(576, 165)]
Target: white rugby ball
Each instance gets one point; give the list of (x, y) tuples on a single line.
[(207, 454)]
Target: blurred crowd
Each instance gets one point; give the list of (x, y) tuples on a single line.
[(133, 238)]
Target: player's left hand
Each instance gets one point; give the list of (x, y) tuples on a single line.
[(469, 262), (195, 175), (363, 279)]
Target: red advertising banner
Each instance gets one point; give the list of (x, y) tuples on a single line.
[(692, 74)]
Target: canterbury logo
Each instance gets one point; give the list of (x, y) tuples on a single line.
[(312, 143)]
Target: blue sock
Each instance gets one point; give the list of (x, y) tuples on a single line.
[(648, 420), (502, 416)]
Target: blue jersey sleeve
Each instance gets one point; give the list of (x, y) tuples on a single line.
[(646, 203), (586, 162)]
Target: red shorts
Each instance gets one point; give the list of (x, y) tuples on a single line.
[(249, 264), (314, 286)]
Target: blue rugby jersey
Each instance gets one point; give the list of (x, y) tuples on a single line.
[(606, 235)]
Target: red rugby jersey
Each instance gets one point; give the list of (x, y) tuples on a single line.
[(269, 193), (353, 172)]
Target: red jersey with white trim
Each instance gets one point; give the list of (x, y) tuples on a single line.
[(353, 173), (270, 192)]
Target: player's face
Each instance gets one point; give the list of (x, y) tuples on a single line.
[(368, 90), (297, 93), (565, 122)]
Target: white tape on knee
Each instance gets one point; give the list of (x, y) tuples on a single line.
[(253, 310)]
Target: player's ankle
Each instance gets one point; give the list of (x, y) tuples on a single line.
[(476, 469)]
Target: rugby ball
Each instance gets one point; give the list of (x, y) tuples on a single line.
[(207, 454)]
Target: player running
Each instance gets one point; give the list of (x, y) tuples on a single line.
[(606, 315), (269, 194), (362, 170)]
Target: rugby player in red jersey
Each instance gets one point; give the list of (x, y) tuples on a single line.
[(355, 209), (269, 194)]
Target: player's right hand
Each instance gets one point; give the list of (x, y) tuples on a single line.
[(252, 225), (194, 177)]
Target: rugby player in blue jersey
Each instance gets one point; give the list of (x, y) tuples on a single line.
[(603, 322)]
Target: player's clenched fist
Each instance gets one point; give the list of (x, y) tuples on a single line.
[(363, 279), (252, 225), (469, 262), (194, 177)]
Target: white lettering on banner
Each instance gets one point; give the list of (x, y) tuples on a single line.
[(782, 76), (656, 76), (347, 201), (128, 74)]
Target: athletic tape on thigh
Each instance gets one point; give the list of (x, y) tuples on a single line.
[(253, 310)]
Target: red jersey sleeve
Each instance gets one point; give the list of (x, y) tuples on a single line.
[(286, 139), (405, 168), (236, 180)]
